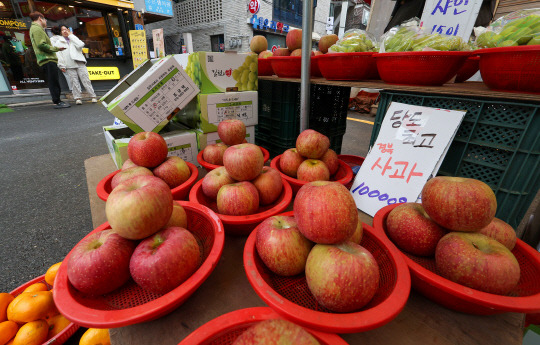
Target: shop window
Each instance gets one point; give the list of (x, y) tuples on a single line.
[(288, 12), (218, 43)]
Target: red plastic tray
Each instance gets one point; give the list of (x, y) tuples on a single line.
[(524, 299), (265, 67), (291, 66), (130, 304), (209, 167), (347, 66), (224, 329), (67, 332), (343, 175), (511, 68), (243, 225), (290, 296), (180, 192), (469, 68), (315, 70), (351, 161), (431, 68)]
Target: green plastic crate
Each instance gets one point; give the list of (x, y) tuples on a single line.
[(498, 143)]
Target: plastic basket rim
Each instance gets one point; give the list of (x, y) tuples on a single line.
[(352, 322), (104, 195), (516, 49), (98, 318), (328, 56), (209, 166), (72, 327), (525, 304), (423, 53), (240, 317)]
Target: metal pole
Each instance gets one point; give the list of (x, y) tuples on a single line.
[(307, 28)]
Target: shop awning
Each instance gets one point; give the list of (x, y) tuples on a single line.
[(115, 3)]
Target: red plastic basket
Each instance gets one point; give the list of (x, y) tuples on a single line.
[(67, 332), (291, 298), (511, 68), (291, 66), (430, 68), (347, 66), (209, 167), (343, 175), (180, 192), (525, 298), (243, 225), (351, 161), (265, 67), (224, 329), (469, 68), (315, 69), (130, 304)]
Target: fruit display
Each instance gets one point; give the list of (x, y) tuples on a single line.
[(411, 38), (258, 44), (326, 42), (353, 41), (514, 29), (268, 331), (246, 75)]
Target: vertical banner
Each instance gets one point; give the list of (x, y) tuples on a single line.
[(139, 52), (159, 44), (450, 17)]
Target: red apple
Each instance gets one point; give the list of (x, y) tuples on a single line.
[(312, 144), (289, 162), (128, 164), (281, 246), (269, 185), (282, 52), (478, 262), (243, 162), (214, 180), (342, 277), (316, 52), (174, 171), (126, 174), (231, 132), (269, 332), (459, 204), (294, 39), (139, 207), (178, 217), (265, 54), (162, 262), (147, 149), (296, 52), (258, 44), (238, 199), (325, 212), (326, 42), (313, 170), (330, 158), (358, 233), (213, 153), (99, 263), (500, 231)]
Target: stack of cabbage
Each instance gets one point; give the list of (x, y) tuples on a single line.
[(515, 29), (410, 38), (354, 41)]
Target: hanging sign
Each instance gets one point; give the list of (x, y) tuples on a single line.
[(139, 51), (450, 17), (261, 23), (159, 43), (254, 6)]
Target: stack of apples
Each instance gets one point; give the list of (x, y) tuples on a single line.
[(456, 224), (243, 183), (230, 132), (322, 240), (311, 159)]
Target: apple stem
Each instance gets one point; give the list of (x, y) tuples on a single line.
[(475, 246), (158, 240)]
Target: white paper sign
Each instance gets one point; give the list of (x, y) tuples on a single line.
[(450, 17), (411, 144)]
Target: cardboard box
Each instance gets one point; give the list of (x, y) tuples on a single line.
[(150, 103), (205, 139), (205, 112), (124, 83)]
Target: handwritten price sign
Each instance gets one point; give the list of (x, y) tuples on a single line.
[(450, 17), (411, 145)]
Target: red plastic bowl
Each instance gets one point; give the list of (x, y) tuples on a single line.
[(469, 68), (511, 68), (265, 67), (180, 192), (351, 161), (315, 70), (291, 66), (243, 225), (430, 68), (291, 298), (525, 298), (130, 304), (67, 332), (347, 66), (209, 167), (224, 329), (343, 175)]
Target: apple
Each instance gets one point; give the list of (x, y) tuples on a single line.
[(294, 39), (282, 52), (358, 233), (243, 162), (269, 185), (99, 263), (128, 164), (331, 160), (313, 170), (258, 44), (500, 231), (317, 52), (342, 277), (174, 171), (126, 174), (458, 203), (296, 52), (410, 228), (269, 332), (289, 162), (238, 199), (213, 153), (147, 149), (139, 207), (214, 180), (478, 262), (265, 54), (162, 262), (178, 217), (312, 144), (326, 42), (325, 212), (232, 131)]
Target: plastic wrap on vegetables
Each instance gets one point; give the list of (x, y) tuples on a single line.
[(355, 41), (514, 29)]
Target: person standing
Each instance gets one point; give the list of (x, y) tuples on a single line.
[(72, 61), (12, 58), (46, 56), (57, 35)]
